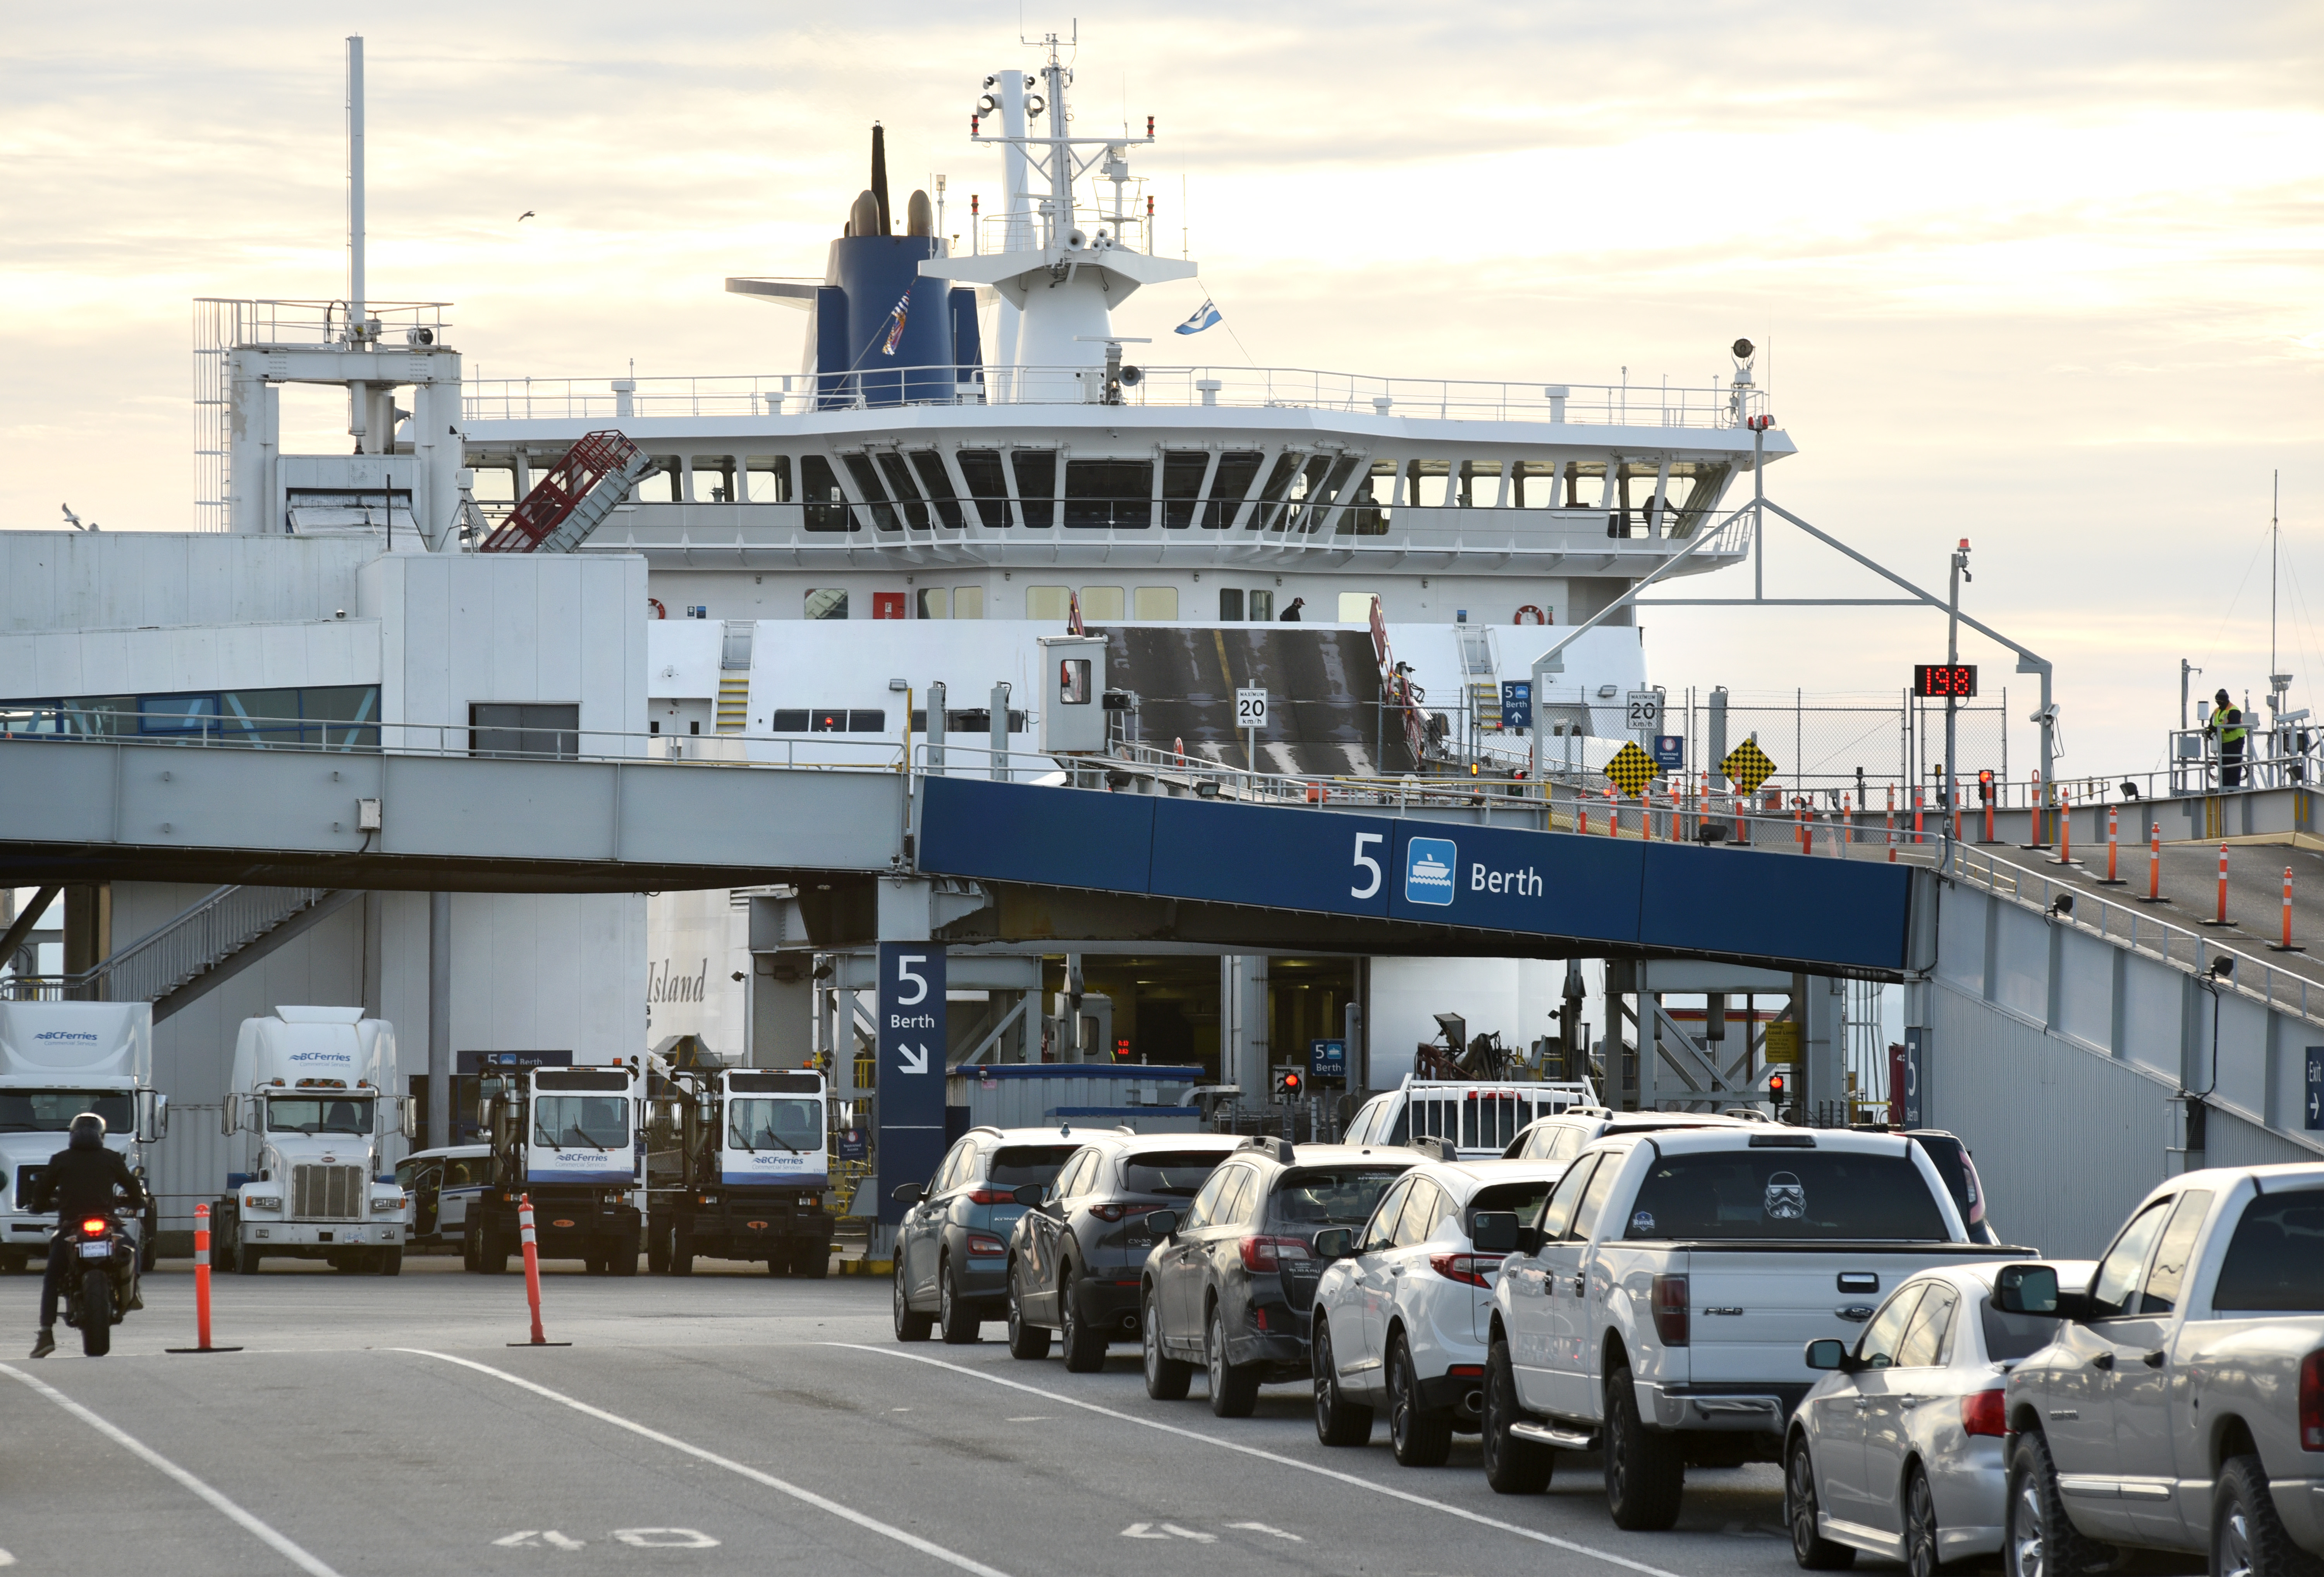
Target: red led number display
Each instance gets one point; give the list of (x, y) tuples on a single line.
[(1944, 679)]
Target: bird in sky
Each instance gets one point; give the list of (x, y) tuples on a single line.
[(521, 217)]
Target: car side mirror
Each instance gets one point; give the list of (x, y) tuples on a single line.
[(1494, 1231), (149, 1116), (1335, 1243), (1828, 1353), (2026, 1290), (227, 1109), (1162, 1222), (908, 1194), (1032, 1195), (410, 1121)]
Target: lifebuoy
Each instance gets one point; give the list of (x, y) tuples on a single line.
[(1538, 616), (655, 603)]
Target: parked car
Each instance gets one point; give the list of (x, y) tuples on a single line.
[(1897, 1451), (1403, 1303), (2181, 1405), (1561, 1138), (442, 1183), (1479, 1116), (952, 1249), (1230, 1279), (1077, 1255), (1658, 1308)]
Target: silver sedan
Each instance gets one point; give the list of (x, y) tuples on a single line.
[(1898, 1451)]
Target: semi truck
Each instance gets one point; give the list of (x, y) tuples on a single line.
[(57, 1060), (740, 1164), (311, 1097), (570, 1139)]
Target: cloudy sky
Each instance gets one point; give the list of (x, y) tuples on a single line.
[(2043, 275)]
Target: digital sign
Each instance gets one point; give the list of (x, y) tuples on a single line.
[(1944, 679)]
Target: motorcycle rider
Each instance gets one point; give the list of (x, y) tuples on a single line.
[(80, 1183)]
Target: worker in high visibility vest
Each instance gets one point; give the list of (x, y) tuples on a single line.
[(2227, 725)]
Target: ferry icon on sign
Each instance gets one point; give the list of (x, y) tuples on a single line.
[(1428, 865)]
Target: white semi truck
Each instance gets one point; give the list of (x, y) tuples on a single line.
[(571, 1140), (57, 1060), (313, 1096)]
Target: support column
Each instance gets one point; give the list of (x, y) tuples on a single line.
[(1620, 1088), (1822, 1059), (439, 1020), (780, 1027)]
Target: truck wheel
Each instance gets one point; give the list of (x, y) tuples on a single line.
[(1512, 1466), (1422, 1436), (622, 1261), (1167, 1379), (2248, 1536), (657, 1246), (2037, 1540), (1338, 1421), (909, 1326), (812, 1260), (955, 1317), (391, 1260), (96, 1313), (491, 1252), (682, 1252), (1085, 1346), (1026, 1341), (244, 1255), (347, 1261), (1234, 1388), (1810, 1548), (471, 1261), (1645, 1473)]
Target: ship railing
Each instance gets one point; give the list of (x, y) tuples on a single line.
[(225, 322), (1695, 406)]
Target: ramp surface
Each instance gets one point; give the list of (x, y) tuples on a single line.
[(1325, 714)]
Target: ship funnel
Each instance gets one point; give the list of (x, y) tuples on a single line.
[(863, 217), (919, 215), (879, 180)]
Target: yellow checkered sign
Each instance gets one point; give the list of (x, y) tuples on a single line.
[(1746, 766), (1631, 770)]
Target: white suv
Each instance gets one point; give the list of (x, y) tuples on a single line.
[(1561, 1138), (1404, 1308)]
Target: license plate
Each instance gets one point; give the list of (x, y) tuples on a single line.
[(99, 1251)]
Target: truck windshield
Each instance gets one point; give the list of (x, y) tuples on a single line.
[(764, 1124), (1817, 1195), (52, 1111), (317, 1114), (563, 1121)]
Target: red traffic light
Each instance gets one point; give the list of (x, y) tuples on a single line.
[(1775, 1087)]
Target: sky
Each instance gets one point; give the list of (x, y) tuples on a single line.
[(2049, 277)]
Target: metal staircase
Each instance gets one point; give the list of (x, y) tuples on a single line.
[(184, 956), (573, 498), (735, 677)]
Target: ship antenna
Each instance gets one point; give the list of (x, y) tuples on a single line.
[(880, 177)]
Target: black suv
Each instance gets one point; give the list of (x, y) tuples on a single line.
[(1076, 1256), (1229, 1283)]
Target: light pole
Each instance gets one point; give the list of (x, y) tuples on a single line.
[(1952, 696)]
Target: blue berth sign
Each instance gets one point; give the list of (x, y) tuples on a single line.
[(1429, 864)]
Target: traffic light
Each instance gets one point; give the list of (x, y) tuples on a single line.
[(1776, 1084), (1289, 1085), (1984, 786)]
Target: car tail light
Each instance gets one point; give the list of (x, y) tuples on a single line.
[(94, 1227), (2312, 1402), (1472, 1268), (1262, 1253), (1670, 1310), (992, 1196), (978, 1243), (1111, 1212), (1982, 1413), (1465, 1371)]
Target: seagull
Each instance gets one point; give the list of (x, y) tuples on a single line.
[(521, 217)]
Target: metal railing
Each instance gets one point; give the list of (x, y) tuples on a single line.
[(181, 947)]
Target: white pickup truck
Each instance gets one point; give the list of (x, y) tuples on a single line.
[(2180, 1406), (1659, 1304)]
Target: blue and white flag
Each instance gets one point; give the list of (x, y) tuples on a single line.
[(1205, 316)]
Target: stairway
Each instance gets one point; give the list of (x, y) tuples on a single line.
[(573, 497), (184, 956), (734, 676)]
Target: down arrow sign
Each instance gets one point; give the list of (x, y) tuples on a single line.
[(916, 1058)]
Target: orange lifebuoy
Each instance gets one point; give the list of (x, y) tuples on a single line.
[(1538, 616), (655, 603)]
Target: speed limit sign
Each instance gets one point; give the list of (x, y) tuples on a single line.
[(1645, 711), (1250, 708)]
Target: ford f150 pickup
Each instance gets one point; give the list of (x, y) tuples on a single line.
[(1659, 1304), (2180, 1406)]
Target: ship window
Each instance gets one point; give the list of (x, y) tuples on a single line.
[(1182, 486), (1237, 469), (1326, 493), (1117, 495), (826, 507), (1533, 485), (1155, 602), (1036, 484), (661, 486), (1356, 608), (828, 603), (1368, 512), (1230, 604), (898, 474), (767, 478), (934, 602), (1262, 606), (523, 729), (866, 476), (988, 484), (494, 485), (1429, 484), (1481, 483), (714, 479), (1102, 602), (1268, 515), (1585, 482), (862, 722), (968, 602), (1046, 603), (936, 483), (789, 720), (1693, 492)]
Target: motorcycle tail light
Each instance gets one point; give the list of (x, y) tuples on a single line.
[(1670, 1310), (2312, 1402), (94, 1227), (1982, 1413)]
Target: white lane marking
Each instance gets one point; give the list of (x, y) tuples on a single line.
[(265, 1535), (665, 1538), (820, 1502), (1188, 1533), (550, 1540), (1271, 1532), (1032, 1419), (1463, 1513), (6, 1559), (1144, 1530)]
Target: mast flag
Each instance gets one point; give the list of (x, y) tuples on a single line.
[(896, 317), (1205, 316)]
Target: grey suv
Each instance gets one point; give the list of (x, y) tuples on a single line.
[(952, 1250)]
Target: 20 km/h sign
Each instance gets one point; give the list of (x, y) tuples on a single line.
[(1645, 712), (910, 1048), (1250, 708)]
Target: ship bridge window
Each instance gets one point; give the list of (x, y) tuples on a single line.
[(866, 477), (1637, 508), (1585, 481), (1481, 484), (1693, 492), (898, 474), (1534, 484), (936, 483), (1182, 486), (714, 479), (1157, 603), (1036, 484), (827, 603), (1324, 493), (1046, 603), (768, 478), (1116, 494), (826, 506), (1268, 515), (1370, 506), (494, 485), (1237, 469), (1428, 483), (1102, 602), (988, 485), (661, 485)]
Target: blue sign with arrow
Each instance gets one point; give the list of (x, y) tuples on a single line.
[(1516, 704), (910, 1048), (1327, 1059), (2311, 1095)]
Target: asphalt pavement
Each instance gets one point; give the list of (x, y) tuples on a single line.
[(725, 1422)]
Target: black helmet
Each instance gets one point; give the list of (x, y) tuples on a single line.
[(88, 1131), (2222, 698)]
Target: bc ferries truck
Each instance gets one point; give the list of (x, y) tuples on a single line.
[(569, 1139), (57, 1060), (311, 1096), (745, 1173)]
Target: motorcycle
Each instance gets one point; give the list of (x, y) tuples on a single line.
[(102, 1286)]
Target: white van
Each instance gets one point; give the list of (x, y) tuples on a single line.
[(441, 1183)]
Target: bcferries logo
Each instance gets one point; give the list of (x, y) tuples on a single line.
[(334, 1057), (66, 1034), (1428, 867)]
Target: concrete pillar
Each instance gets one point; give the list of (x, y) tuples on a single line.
[(1620, 1088), (780, 1026), (439, 1020), (437, 445), (1822, 1049), (254, 433)]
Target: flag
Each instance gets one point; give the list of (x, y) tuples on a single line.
[(895, 323), (1205, 317)]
